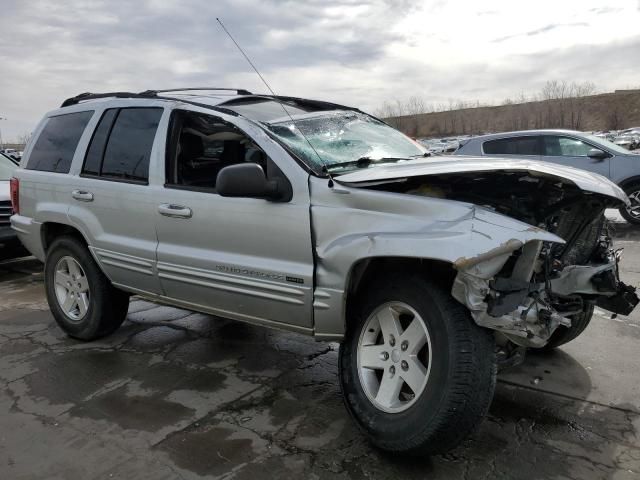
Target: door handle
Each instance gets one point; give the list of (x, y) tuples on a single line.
[(82, 195), (176, 211)]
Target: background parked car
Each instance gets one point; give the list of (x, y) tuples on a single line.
[(12, 152), (10, 246), (567, 147)]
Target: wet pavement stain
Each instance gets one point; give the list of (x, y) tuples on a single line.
[(212, 451), (70, 377), (149, 413), (167, 377), (18, 347)]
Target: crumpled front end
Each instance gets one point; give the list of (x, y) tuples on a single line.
[(550, 257), (527, 294)]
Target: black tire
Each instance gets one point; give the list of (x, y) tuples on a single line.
[(630, 189), (564, 335), (107, 306), (459, 389)]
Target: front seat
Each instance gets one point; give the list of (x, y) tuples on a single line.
[(191, 149)]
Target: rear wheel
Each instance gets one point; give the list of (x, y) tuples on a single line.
[(632, 213), (83, 301), (417, 373)]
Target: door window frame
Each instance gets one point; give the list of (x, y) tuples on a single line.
[(172, 138), (109, 178)]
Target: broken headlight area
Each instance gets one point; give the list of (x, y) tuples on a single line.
[(536, 289), (525, 287)]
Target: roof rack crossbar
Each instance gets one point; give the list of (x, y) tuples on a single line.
[(91, 96), (146, 94), (239, 91)]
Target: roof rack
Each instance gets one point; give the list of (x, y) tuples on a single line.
[(239, 91), (146, 94)]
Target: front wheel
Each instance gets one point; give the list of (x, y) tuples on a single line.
[(417, 373), (632, 213), (562, 335)]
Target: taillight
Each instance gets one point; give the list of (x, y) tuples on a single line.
[(14, 183)]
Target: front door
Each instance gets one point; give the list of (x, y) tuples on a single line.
[(243, 258)]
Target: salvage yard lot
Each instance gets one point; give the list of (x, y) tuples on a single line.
[(176, 394)]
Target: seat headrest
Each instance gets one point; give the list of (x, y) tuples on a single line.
[(191, 146)]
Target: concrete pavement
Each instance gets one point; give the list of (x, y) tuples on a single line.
[(175, 394)]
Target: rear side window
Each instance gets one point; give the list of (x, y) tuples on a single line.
[(57, 143), (121, 144), (95, 152), (512, 146)]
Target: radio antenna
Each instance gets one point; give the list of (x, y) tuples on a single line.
[(279, 102)]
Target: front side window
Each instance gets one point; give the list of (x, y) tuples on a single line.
[(565, 147), (121, 144), (512, 146), (57, 143), (201, 145)]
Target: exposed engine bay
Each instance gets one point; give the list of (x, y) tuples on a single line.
[(526, 292)]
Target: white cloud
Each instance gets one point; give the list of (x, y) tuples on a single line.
[(356, 52)]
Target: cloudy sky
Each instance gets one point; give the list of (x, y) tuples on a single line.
[(358, 52)]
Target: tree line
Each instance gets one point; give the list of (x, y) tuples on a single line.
[(558, 104)]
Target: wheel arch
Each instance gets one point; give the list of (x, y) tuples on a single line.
[(364, 271), (52, 230), (629, 181)]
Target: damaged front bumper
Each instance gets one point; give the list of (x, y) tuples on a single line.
[(528, 312)]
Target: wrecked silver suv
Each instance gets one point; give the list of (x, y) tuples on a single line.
[(319, 219)]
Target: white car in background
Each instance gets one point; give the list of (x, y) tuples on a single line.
[(12, 152), (10, 246)]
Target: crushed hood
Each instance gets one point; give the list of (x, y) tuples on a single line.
[(584, 180)]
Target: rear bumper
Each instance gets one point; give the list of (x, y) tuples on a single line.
[(28, 232)]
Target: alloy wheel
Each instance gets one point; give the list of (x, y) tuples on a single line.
[(394, 357), (634, 209), (72, 288)]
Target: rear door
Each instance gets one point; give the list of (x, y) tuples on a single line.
[(573, 152), (111, 200), (244, 258)]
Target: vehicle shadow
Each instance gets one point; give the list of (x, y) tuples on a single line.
[(541, 425)]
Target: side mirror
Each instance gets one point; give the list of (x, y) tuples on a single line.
[(598, 154), (246, 180)]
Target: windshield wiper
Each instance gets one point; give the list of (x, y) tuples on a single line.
[(363, 162)]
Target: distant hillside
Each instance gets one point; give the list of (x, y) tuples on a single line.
[(607, 111)]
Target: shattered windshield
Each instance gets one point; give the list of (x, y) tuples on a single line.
[(342, 137)]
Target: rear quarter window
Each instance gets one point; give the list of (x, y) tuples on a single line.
[(57, 143)]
